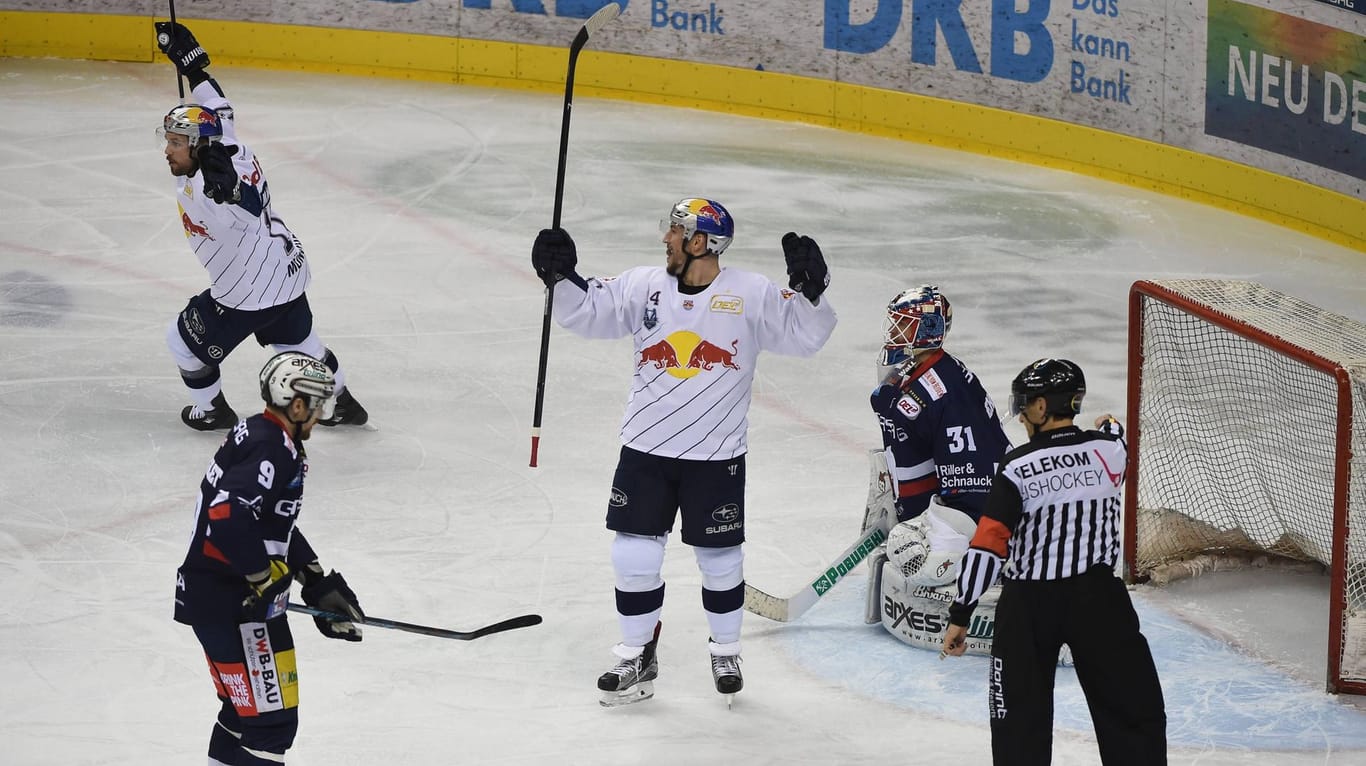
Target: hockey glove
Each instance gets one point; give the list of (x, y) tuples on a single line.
[(806, 270), (269, 593), (332, 594), (221, 182), (554, 256), (885, 397), (180, 47)]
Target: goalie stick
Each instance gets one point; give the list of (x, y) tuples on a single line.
[(589, 28), (879, 516), (523, 621), (794, 606)]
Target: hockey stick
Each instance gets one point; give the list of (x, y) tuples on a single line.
[(879, 516), (524, 621), (179, 82), (794, 606), (589, 28)]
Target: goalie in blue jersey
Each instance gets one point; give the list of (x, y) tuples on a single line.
[(942, 441)]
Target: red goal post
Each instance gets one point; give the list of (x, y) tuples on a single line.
[(1244, 446)]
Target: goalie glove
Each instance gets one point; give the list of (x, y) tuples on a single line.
[(221, 183), (179, 45), (269, 596), (331, 594)]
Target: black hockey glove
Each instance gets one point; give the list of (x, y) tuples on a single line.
[(269, 593), (180, 47), (806, 270), (221, 182), (884, 396), (332, 594), (553, 255)]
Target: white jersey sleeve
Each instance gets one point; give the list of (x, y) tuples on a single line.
[(695, 354), (254, 261)]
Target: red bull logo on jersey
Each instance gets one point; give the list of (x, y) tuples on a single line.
[(701, 355), (193, 229)]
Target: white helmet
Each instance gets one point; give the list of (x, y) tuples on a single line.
[(291, 374)]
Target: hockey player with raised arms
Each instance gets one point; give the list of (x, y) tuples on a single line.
[(245, 552), (257, 269), (942, 442), (697, 329)]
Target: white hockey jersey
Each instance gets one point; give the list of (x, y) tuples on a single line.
[(694, 354), (254, 261)]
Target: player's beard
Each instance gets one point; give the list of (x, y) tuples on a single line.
[(675, 266)]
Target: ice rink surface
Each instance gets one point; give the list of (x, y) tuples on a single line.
[(417, 205)]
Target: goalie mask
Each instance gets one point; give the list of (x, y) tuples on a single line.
[(918, 319), (292, 374), (1060, 382), (703, 215)]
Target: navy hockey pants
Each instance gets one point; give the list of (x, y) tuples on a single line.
[(255, 676)]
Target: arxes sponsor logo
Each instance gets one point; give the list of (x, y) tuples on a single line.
[(914, 619)]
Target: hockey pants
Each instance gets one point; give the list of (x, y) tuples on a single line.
[(1093, 615)]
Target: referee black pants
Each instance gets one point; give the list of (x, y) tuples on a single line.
[(1093, 615)]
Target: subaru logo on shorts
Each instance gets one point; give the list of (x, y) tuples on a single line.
[(618, 498), (726, 513)]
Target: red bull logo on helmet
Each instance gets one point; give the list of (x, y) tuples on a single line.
[(711, 217), (194, 121), (701, 355)]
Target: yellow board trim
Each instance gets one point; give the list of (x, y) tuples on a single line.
[(1294, 204)]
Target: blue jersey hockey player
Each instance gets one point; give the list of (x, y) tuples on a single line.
[(233, 587), (942, 442)]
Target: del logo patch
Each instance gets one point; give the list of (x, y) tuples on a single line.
[(728, 304), (908, 407)]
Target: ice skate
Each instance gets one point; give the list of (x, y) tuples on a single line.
[(633, 678), (725, 669), (346, 412), (218, 418)]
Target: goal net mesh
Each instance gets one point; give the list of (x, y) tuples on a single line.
[(1239, 439)]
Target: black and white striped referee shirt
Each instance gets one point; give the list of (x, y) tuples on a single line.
[(1053, 512)]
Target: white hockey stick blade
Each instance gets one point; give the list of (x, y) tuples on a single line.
[(602, 16), (794, 606)]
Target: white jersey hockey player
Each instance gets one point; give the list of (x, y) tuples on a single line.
[(257, 269), (697, 330)]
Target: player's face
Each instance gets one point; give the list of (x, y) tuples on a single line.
[(178, 154), (301, 410), (673, 250), (902, 329)]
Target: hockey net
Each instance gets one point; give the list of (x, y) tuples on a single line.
[(1247, 431)]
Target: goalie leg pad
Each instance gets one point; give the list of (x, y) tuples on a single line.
[(872, 607), (880, 509), (919, 614)]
